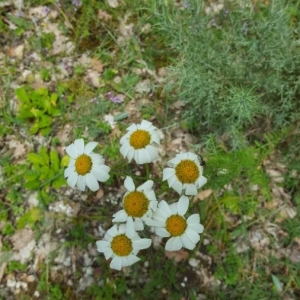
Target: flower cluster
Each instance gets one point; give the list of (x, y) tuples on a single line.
[(140, 207)]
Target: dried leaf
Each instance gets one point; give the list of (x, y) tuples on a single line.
[(202, 195), (178, 256), (97, 65), (21, 238), (113, 3), (103, 15)]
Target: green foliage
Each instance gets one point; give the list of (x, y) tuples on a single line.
[(241, 168), (77, 235), (230, 269), (32, 216), (238, 68), (39, 107), (46, 170), (56, 292), (15, 266), (8, 229)]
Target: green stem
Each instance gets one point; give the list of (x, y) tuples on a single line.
[(147, 171)]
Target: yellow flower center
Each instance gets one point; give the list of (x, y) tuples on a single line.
[(176, 225), (187, 171), (140, 139), (121, 245), (136, 204), (83, 164)]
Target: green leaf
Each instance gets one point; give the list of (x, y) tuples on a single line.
[(277, 283), (29, 218), (5, 257), (45, 121), (36, 112), (53, 99), (45, 131), (46, 173), (231, 203), (34, 128), (44, 155), (121, 116), (35, 158), (54, 158), (20, 22), (65, 161), (31, 175), (32, 185), (59, 182), (22, 94)]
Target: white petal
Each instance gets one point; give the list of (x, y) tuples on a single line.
[(164, 208), (141, 244), (150, 195), (202, 180), (175, 161), (72, 151), (130, 154), (183, 155), (194, 218), (192, 156), (172, 180), (97, 159), (81, 183), (153, 205), (187, 243), (192, 235), (161, 215), (146, 186), (68, 171), (129, 184), (177, 186), (151, 222), (124, 150), (174, 208), (71, 162), (130, 232), (183, 205), (120, 216), (162, 232), (79, 144), (190, 189), (102, 246), (197, 227), (92, 182), (141, 156), (132, 127), (124, 139), (113, 231), (152, 152), (145, 124), (108, 253), (99, 174), (116, 263), (168, 173), (155, 137), (130, 260), (72, 179), (90, 147), (173, 244), (138, 224)]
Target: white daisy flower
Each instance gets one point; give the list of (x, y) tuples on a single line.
[(185, 173), (169, 221), (138, 203), (122, 243), (85, 168), (140, 142)]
